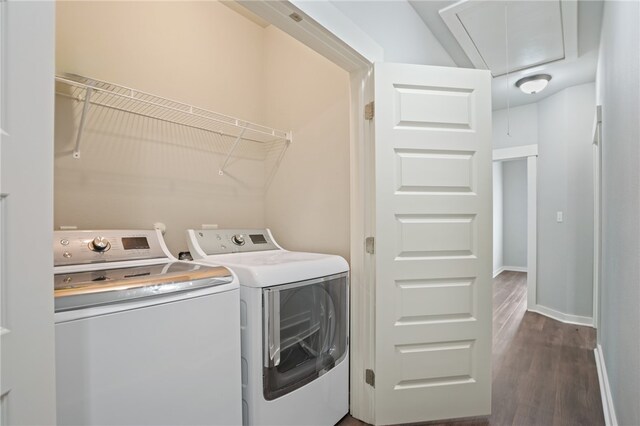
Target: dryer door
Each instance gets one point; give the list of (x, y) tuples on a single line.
[(305, 332)]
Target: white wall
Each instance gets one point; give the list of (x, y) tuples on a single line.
[(396, 27), (497, 217), (514, 213), (565, 183), (136, 171), (202, 53), (522, 122), (618, 91), (307, 204), (561, 125)]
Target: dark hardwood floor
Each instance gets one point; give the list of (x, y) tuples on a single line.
[(544, 371)]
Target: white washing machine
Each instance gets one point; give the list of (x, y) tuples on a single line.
[(143, 339), (295, 321)]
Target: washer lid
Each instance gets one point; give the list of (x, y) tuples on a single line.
[(107, 286), (275, 267)]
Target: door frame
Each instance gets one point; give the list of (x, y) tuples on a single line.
[(597, 218), (530, 153)]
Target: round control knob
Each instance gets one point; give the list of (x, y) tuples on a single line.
[(238, 240), (99, 244)]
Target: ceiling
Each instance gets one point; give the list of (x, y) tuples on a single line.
[(555, 37)]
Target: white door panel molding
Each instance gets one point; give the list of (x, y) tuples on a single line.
[(433, 278)]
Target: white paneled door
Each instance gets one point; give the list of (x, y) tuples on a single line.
[(27, 51), (433, 250)]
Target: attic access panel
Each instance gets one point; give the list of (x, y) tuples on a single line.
[(539, 32)]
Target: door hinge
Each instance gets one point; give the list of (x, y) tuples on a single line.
[(370, 377), (370, 245), (369, 111)]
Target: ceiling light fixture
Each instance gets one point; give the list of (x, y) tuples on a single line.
[(534, 83)]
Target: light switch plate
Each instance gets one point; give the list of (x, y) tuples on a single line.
[(559, 217)]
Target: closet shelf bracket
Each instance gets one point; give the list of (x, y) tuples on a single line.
[(85, 110), (233, 148), (287, 142)]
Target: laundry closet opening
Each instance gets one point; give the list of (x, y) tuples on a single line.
[(136, 168)]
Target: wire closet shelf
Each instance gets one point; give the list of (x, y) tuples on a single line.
[(110, 95)]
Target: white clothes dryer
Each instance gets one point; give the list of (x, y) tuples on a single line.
[(141, 338), (294, 310)]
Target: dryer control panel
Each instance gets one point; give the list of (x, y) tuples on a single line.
[(221, 241), (82, 247)]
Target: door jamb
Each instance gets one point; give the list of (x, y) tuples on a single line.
[(362, 222), (597, 218), (530, 153)]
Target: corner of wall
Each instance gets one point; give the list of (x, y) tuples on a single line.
[(336, 22), (409, 40), (561, 316)]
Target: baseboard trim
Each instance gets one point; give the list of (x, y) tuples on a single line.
[(562, 317), (605, 391), (509, 268), (515, 268)]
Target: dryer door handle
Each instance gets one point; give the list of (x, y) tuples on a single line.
[(272, 314)]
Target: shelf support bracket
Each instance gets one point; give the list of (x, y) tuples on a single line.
[(233, 148), (83, 118), (278, 160)]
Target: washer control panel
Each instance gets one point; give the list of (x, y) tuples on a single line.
[(81, 247), (220, 241)]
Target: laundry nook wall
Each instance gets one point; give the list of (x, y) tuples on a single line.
[(135, 171)]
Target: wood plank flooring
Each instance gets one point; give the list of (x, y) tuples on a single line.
[(544, 371)]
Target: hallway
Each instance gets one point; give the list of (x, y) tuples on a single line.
[(544, 371)]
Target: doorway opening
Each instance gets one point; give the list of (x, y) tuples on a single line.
[(510, 216), (521, 166), (509, 242)]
